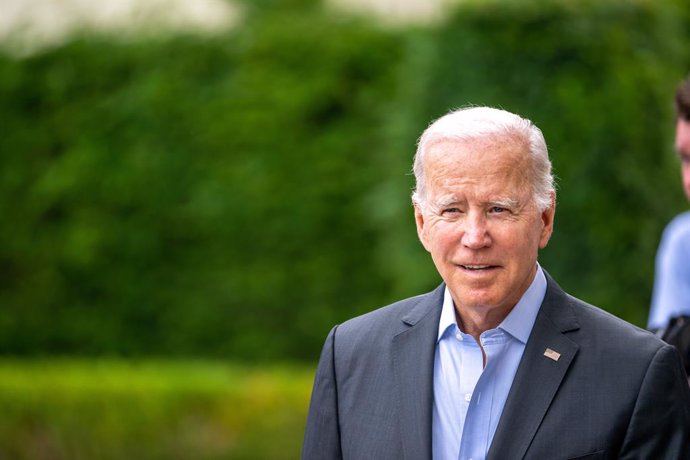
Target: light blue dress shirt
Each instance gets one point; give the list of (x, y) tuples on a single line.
[(468, 397), (671, 294)]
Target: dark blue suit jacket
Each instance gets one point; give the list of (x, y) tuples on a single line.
[(616, 391)]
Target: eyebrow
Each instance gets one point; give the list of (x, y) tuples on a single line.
[(446, 201), (505, 203)]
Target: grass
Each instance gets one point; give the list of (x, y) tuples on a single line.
[(112, 409)]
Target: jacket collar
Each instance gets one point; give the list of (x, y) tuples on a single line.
[(414, 347)]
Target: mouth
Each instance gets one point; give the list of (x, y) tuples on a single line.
[(476, 267)]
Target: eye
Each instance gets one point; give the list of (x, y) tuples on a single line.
[(497, 210), (451, 211)]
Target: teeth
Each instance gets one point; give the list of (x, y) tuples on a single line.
[(476, 267)]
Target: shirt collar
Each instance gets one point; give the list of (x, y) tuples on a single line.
[(447, 315), (519, 321)]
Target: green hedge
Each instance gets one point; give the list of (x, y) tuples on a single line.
[(191, 196), (107, 410), (236, 196)]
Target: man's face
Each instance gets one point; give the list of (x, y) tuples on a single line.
[(683, 150), (480, 223)]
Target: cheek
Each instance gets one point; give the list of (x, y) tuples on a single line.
[(442, 235), (521, 242)]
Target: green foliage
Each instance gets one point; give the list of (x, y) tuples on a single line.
[(102, 410), (236, 196), (189, 196)]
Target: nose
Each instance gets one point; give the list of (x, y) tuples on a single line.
[(475, 233)]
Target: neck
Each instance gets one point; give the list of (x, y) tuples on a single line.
[(474, 321)]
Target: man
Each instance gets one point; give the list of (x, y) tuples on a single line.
[(671, 295), (498, 362)]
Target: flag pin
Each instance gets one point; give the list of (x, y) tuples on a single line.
[(549, 353)]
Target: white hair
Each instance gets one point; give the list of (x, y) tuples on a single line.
[(473, 123)]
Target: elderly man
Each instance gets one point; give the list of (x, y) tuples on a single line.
[(498, 362)]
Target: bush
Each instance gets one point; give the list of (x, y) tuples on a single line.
[(107, 410), (192, 197), (236, 196)]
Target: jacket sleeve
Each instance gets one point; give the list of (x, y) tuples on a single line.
[(660, 424), (322, 433)]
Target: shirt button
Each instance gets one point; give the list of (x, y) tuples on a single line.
[(468, 398), (458, 336)]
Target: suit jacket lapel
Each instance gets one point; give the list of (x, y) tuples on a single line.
[(538, 377), (414, 347)]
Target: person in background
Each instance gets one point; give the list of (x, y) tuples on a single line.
[(498, 362), (671, 293)]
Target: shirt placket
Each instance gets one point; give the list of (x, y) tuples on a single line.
[(475, 439)]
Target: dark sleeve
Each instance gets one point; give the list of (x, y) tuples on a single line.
[(322, 434), (660, 424)]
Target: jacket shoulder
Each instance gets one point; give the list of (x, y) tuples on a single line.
[(614, 332), (375, 328), (392, 316)]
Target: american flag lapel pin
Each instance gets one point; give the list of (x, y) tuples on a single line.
[(552, 354)]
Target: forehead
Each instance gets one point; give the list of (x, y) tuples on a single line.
[(505, 156), (488, 170)]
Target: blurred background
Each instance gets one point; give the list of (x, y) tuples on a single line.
[(193, 192)]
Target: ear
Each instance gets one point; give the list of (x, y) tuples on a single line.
[(419, 220), (547, 218)]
